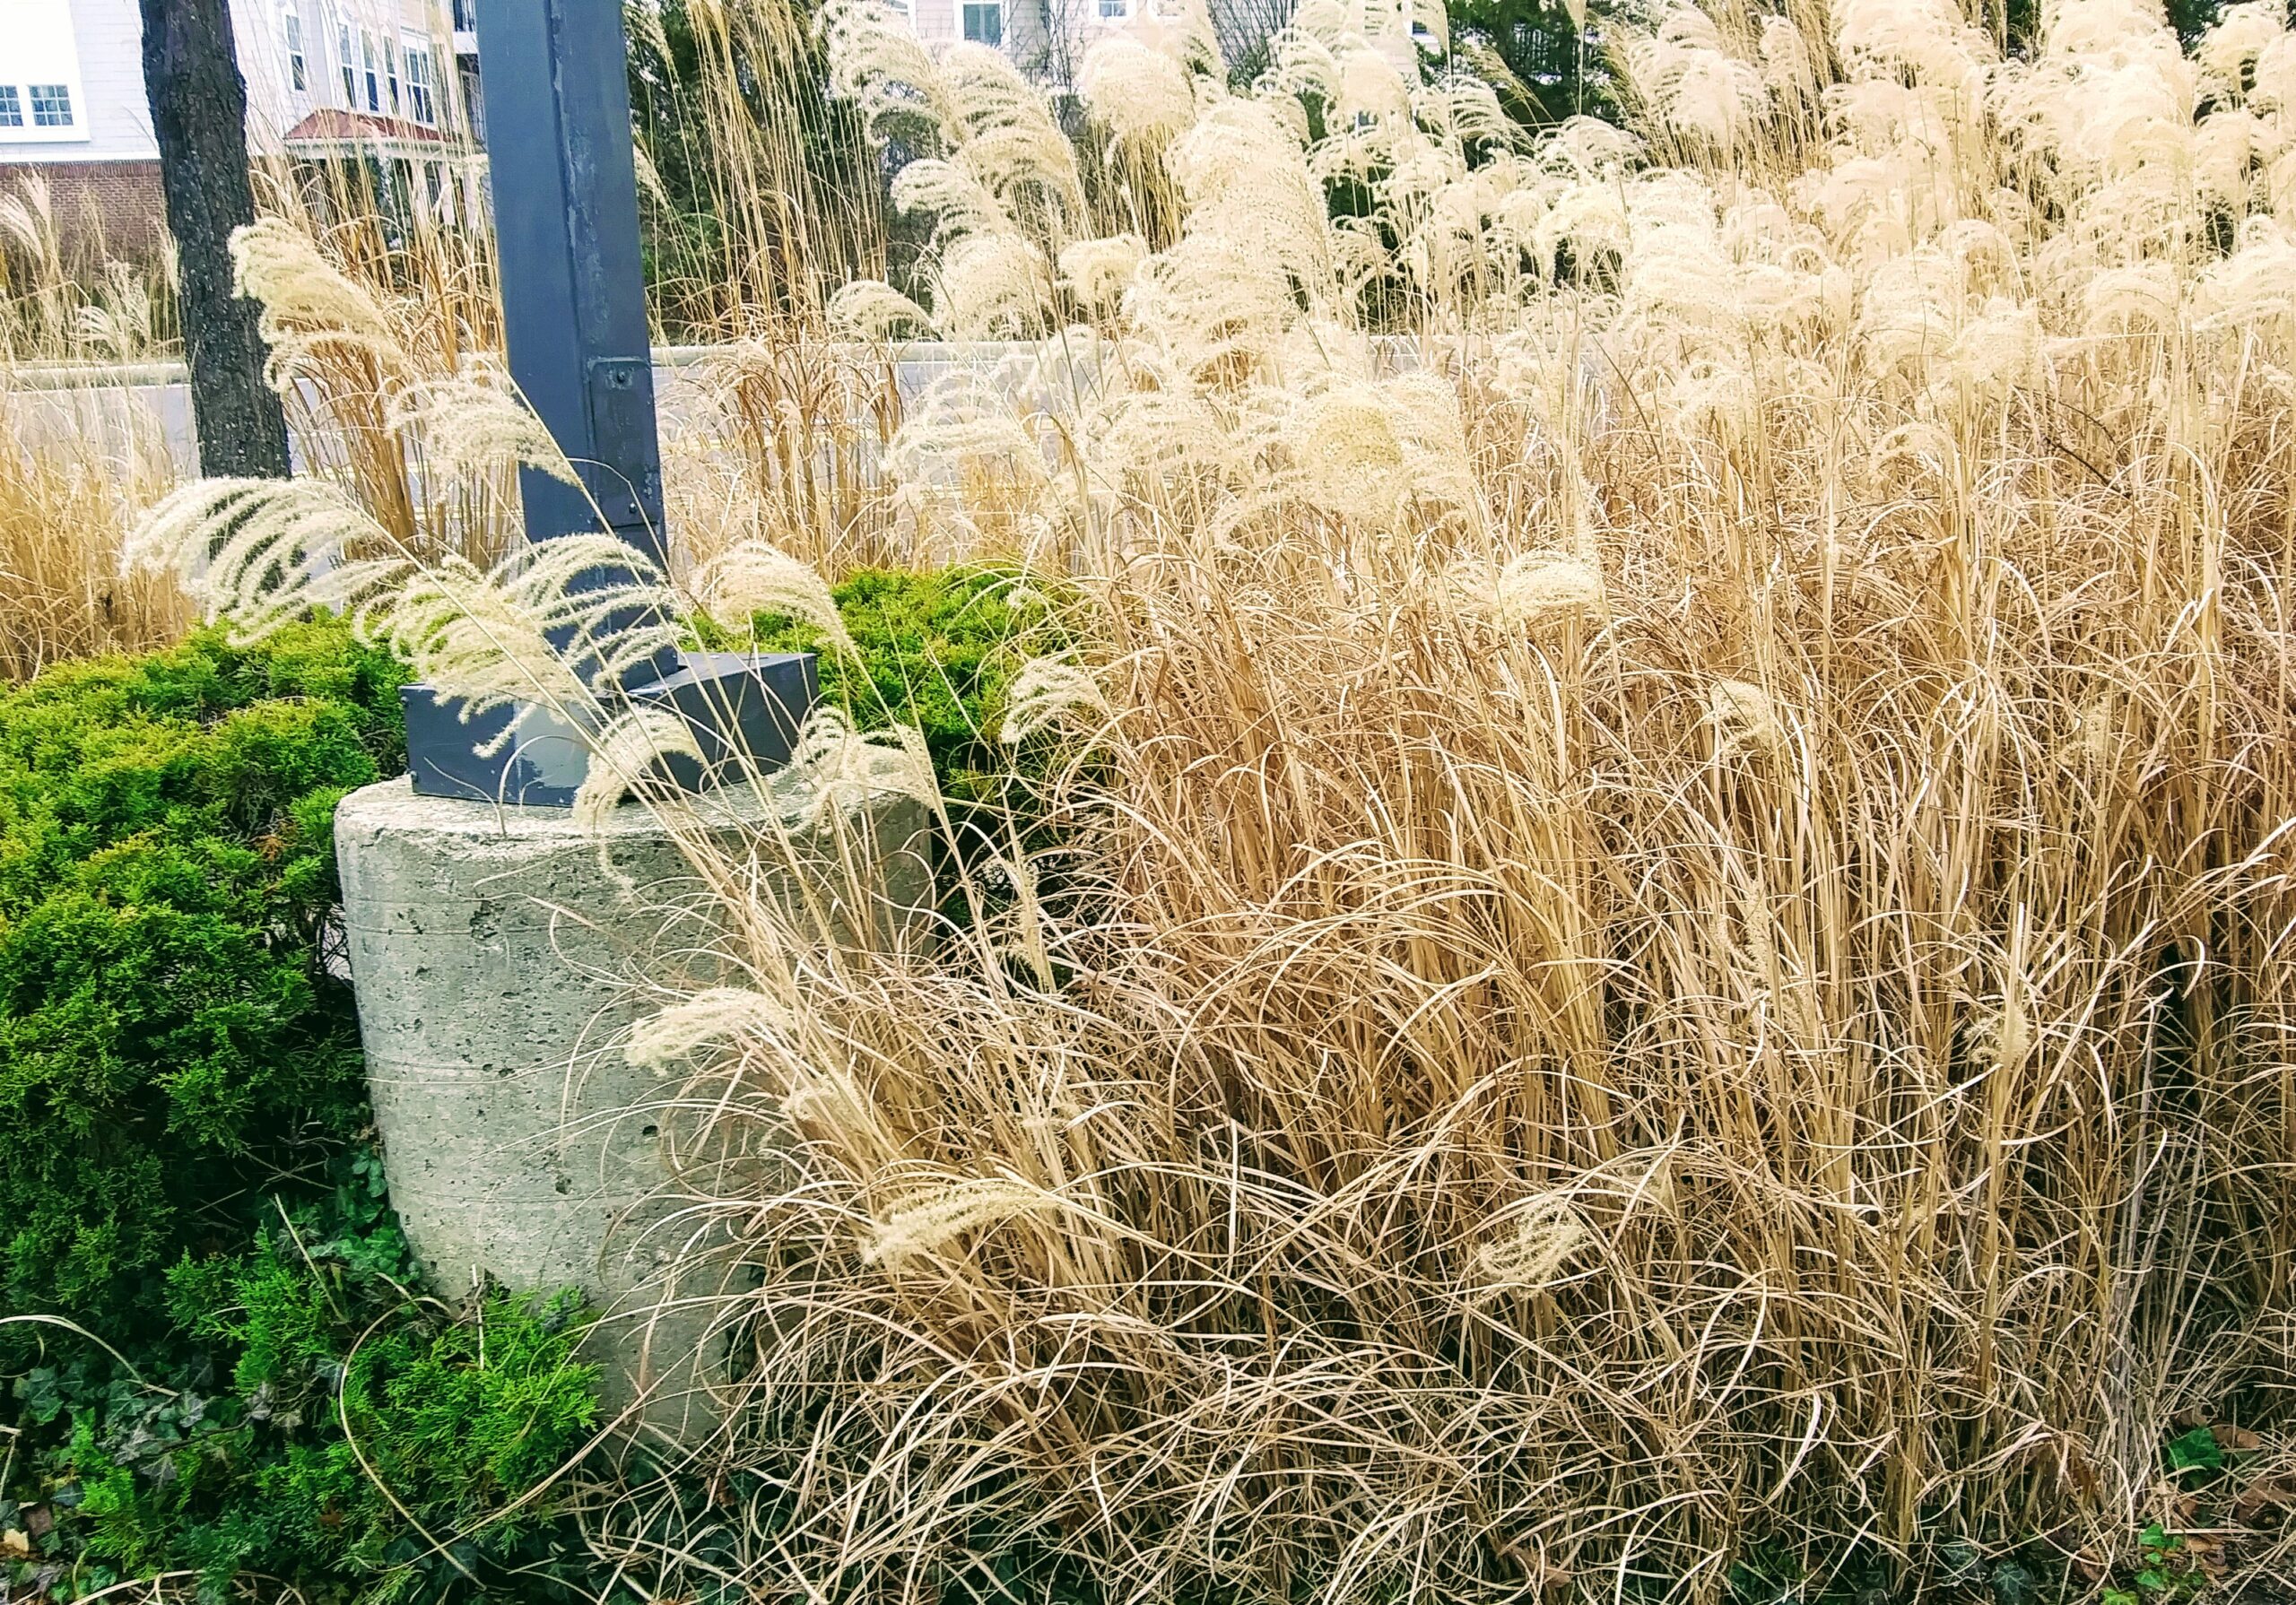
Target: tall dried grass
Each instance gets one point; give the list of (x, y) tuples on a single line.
[(1671, 932)]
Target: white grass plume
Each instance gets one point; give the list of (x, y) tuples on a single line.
[(625, 753), (262, 552), (845, 768), (486, 637), (933, 1214), (1542, 1237), (683, 1029), (310, 306), (754, 578), (1141, 96), (1098, 272), (1046, 691), (872, 309), (476, 422)]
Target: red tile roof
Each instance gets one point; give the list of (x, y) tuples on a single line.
[(332, 126)]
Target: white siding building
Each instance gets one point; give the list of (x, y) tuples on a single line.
[(378, 80)]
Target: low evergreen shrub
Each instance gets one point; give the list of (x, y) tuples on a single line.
[(171, 1048), (212, 1350), (210, 1353), (941, 650)]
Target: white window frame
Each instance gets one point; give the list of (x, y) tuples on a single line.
[(1114, 11), (423, 91), (11, 105), (369, 74), (298, 66), (995, 8)]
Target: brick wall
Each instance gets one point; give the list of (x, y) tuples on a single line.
[(102, 209)]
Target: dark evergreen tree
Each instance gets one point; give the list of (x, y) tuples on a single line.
[(1543, 65)]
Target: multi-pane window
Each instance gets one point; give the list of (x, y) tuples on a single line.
[(1114, 11), (298, 71), (12, 106), (51, 106), (350, 65), (985, 22), (421, 105), (373, 76)]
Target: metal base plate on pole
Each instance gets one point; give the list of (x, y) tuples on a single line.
[(744, 710)]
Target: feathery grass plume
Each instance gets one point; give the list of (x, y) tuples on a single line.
[(1008, 132), (962, 436), (1243, 170), (1542, 1235), (1746, 718), (487, 637), (1214, 307), (262, 552), (1043, 693), (686, 1028), (310, 306), (1141, 96), (1370, 86), (845, 768), (1541, 587), (872, 309), (933, 1211), (630, 748), (753, 578), (958, 201), (991, 286), (476, 422), (876, 61), (1098, 272)]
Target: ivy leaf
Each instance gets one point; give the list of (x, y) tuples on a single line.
[(2197, 1450)]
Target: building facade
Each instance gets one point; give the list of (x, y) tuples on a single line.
[(382, 83)]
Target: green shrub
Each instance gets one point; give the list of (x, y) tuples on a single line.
[(942, 650), (344, 1386), (184, 1173), (169, 1045)]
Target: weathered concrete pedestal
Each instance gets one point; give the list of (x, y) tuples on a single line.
[(499, 955)]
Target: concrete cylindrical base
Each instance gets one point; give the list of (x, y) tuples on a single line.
[(499, 955)]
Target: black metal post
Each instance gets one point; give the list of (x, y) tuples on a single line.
[(555, 76)]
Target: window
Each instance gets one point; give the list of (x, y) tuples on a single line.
[(298, 73), (421, 104), (1114, 11), (12, 106), (374, 81), (350, 66), (51, 106), (985, 22), (390, 66)]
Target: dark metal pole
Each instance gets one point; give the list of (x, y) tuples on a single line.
[(555, 76)]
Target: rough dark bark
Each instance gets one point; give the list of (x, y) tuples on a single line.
[(199, 112)]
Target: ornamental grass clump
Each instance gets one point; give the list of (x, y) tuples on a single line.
[(1665, 940)]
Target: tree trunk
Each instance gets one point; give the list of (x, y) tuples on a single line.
[(199, 109)]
